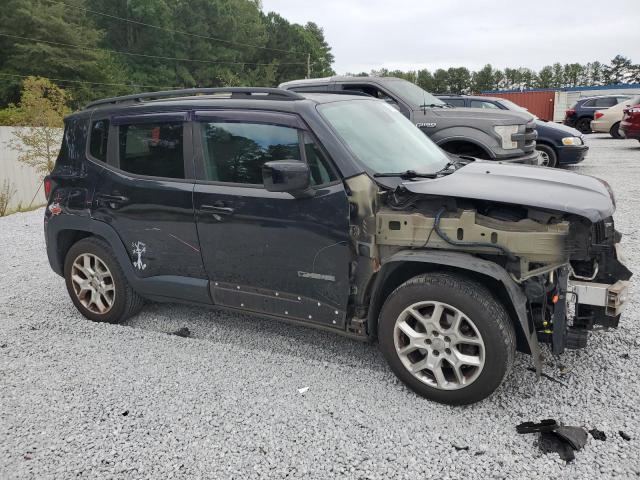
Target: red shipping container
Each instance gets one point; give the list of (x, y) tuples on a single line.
[(539, 103)]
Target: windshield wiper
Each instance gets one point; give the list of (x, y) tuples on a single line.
[(407, 174)]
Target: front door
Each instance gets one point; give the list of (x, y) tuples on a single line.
[(146, 192), (268, 252)]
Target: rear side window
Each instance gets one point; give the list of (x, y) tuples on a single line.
[(99, 139), (483, 104), (235, 152), (153, 149), (605, 102), (456, 102), (588, 103), (310, 88)]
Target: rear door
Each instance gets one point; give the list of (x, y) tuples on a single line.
[(146, 191), (268, 252)]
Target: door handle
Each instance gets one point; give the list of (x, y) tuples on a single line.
[(111, 200), (218, 208)]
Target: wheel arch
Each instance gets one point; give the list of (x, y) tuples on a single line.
[(404, 265), (456, 144)]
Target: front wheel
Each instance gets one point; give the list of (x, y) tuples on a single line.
[(549, 157), (447, 338)]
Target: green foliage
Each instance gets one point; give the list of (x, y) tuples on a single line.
[(206, 43), (39, 120)]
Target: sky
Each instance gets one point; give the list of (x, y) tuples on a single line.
[(415, 34)]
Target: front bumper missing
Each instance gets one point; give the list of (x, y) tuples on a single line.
[(612, 298)]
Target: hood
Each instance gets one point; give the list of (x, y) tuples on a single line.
[(558, 127), (498, 117), (539, 187)]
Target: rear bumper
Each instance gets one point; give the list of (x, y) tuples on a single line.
[(569, 154), (600, 126), (628, 130)]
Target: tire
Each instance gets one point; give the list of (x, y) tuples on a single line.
[(614, 130), (483, 317), (584, 125), (95, 279), (550, 159)]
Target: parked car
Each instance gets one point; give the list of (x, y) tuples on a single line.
[(557, 144), (630, 125), (489, 135), (333, 212), (581, 114), (608, 120)]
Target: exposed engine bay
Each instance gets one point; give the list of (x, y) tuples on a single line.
[(568, 268)]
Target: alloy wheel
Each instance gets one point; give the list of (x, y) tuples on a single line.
[(439, 345), (93, 283)]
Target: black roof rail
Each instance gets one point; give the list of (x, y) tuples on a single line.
[(236, 92)]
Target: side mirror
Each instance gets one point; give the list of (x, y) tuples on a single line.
[(291, 176)]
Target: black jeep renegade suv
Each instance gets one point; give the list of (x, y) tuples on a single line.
[(333, 211)]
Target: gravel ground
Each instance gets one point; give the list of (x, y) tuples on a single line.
[(106, 401)]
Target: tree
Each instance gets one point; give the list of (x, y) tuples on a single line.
[(545, 77), (618, 70), (482, 79), (52, 22), (459, 80), (558, 75), (425, 80), (440, 81), (40, 118)]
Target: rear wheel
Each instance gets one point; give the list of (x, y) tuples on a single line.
[(447, 338), (549, 157), (584, 125), (615, 130), (96, 283)]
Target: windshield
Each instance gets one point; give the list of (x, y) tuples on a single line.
[(411, 93), (382, 138)]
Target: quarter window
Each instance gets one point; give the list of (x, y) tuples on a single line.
[(99, 139), (154, 149), (235, 152)]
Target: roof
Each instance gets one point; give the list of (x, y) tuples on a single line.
[(338, 78), (280, 100)]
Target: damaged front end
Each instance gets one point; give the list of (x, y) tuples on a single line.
[(567, 267)]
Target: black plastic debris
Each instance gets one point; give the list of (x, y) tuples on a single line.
[(624, 436), (553, 437), (625, 356), (182, 332), (598, 434), (458, 447), (547, 425), (125, 413)]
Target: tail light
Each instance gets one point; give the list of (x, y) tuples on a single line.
[(570, 113), (598, 115), (47, 187)]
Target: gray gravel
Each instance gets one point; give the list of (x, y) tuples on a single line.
[(107, 401)]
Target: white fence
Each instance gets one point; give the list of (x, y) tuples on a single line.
[(24, 179)]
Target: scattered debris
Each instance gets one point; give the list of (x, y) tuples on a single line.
[(479, 452), (548, 377), (557, 438), (625, 356), (181, 332), (125, 413), (550, 443), (598, 434), (547, 425), (303, 389), (457, 447), (624, 436), (28, 456)]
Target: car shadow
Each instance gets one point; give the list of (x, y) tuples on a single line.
[(260, 334)]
